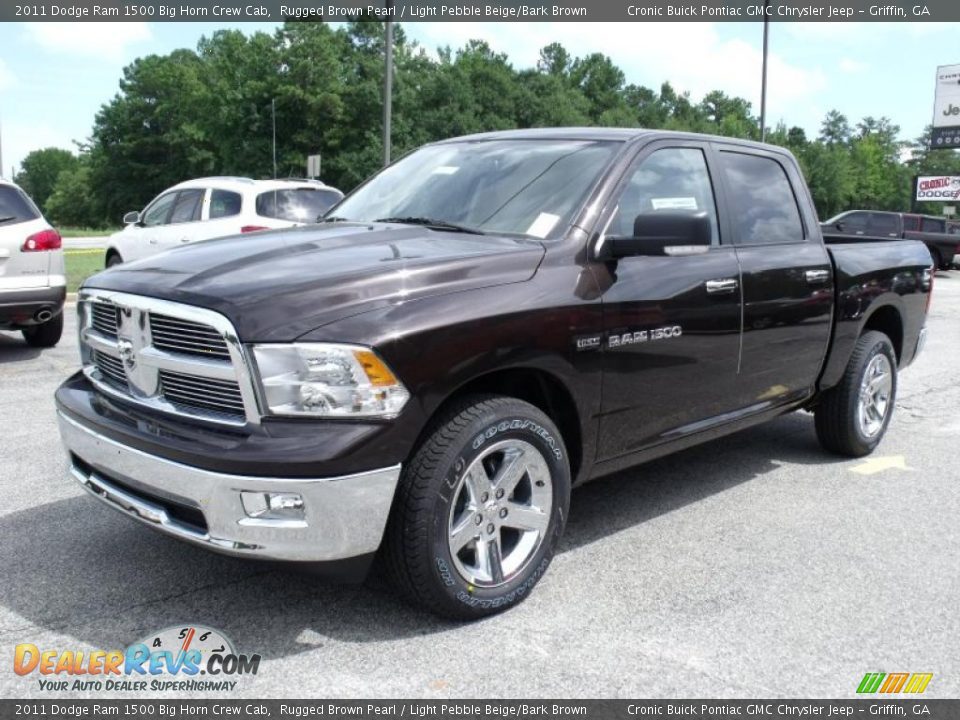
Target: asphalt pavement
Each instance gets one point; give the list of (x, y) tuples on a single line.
[(754, 566)]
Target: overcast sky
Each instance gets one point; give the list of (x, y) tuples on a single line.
[(54, 76)]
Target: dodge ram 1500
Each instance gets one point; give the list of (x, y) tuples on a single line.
[(479, 327)]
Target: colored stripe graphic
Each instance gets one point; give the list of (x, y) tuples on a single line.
[(871, 682), (918, 682), (894, 682)]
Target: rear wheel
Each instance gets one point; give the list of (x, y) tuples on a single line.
[(480, 509), (852, 417), (938, 261), (46, 334)]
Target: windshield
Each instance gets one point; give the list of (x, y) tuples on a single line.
[(302, 205), (524, 187)]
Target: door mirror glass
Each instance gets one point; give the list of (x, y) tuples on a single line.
[(131, 218), (662, 233)]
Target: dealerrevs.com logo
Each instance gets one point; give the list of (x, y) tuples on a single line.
[(179, 658)]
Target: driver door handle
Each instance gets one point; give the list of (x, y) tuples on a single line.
[(719, 287)]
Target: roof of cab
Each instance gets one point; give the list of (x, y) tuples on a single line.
[(610, 134)]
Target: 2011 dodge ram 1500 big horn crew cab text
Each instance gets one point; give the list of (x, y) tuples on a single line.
[(476, 329)]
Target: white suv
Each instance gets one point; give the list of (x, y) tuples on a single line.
[(217, 206), (33, 283)]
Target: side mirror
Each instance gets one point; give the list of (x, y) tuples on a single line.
[(131, 218), (839, 225), (661, 233)]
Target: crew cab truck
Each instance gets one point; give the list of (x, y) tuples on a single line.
[(871, 225), (481, 326)]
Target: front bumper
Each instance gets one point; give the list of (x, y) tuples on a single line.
[(343, 517), (19, 306)]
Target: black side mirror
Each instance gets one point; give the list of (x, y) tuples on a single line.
[(839, 225), (661, 233)]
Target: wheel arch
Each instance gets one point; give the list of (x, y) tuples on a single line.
[(888, 320), (111, 252), (540, 388)]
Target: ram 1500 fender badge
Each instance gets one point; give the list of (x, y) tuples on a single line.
[(618, 339)]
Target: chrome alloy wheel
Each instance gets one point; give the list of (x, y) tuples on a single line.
[(500, 513), (875, 390)]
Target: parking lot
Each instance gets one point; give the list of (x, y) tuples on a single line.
[(754, 566)]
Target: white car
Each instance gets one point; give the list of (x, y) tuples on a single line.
[(214, 207), (33, 283)]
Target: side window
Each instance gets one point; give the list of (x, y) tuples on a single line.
[(883, 225), (911, 223), (158, 211), (854, 223), (932, 225), (669, 180), (224, 203), (763, 207), (187, 207)]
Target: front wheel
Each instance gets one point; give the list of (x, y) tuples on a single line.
[(480, 509), (852, 417)]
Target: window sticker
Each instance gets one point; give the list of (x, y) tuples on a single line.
[(542, 226), (674, 203)]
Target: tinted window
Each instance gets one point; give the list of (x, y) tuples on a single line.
[(187, 207), (853, 223), (670, 180), (15, 207), (764, 208), (883, 224), (159, 210), (911, 222), (296, 205), (224, 203), (932, 225)]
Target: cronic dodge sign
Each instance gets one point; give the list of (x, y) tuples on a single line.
[(938, 187), (946, 108)]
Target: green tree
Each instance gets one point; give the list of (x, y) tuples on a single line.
[(40, 169), (73, 200)]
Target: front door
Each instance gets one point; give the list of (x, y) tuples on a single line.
[(671, 323)]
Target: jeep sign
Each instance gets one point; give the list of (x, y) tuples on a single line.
[(946, 109), (944, 188)]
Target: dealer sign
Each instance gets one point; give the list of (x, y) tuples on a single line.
[(944, 188), (946, 108)]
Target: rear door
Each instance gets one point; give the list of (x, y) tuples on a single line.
[(223, 213), (883, 224), (20, 218), (671, 323), (787, 276)]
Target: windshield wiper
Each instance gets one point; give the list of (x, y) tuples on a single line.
[(7, 218), (334, 218), (431, 223)]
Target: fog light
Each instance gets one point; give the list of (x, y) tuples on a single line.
[(272, 506)]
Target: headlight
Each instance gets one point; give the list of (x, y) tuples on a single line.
[(328, 380)]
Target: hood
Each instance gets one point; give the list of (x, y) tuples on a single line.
[(278, 285)]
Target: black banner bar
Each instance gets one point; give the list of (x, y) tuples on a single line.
[(485, 10), (915, 707)]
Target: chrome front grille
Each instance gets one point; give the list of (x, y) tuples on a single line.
[(189, 338), (167, 356), (200, 393), (111, 369), (104, 319)]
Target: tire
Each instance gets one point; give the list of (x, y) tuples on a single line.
[(46, 334), (853, 417), (444, 502), (113, 260)]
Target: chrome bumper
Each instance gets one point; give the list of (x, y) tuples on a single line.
[(343, 517), (921, 341)]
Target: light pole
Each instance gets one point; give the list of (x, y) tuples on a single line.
[(387, 84), (273, 119), (763, 80)]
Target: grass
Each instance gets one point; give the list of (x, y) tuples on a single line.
[(72, 232), (81, 264)]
